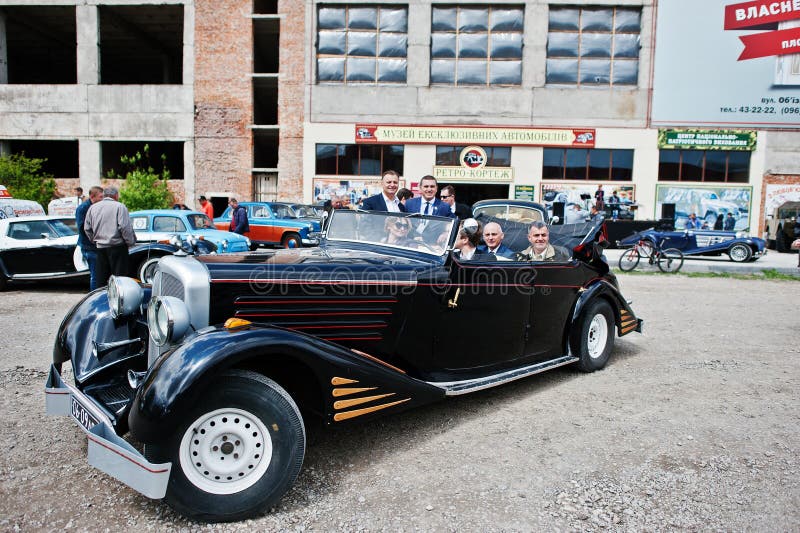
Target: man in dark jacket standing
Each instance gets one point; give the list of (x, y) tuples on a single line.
[(88, 249), (108, 226), (239, 222), (448, 196), (387, 199)]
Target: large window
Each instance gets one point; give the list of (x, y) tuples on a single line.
[(496, 156), (704, 165), (358, 159), (587, 164), (362, 44), (593, 45), (476, 45)]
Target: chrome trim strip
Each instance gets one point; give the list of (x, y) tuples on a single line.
[(107, 451), (456, 388), (48, 275)]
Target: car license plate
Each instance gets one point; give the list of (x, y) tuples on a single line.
[(82, 415)]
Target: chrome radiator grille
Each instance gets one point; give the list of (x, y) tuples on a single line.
[(186, 279), (170, 286)]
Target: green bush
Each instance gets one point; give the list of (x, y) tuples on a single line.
[(24, 179), (144, 188)]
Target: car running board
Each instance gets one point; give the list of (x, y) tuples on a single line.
[(455, 388)]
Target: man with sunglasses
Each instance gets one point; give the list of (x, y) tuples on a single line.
[(448, 196), (540, 248)]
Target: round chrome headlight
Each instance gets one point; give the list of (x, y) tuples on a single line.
[(167, 319), (124, 296)]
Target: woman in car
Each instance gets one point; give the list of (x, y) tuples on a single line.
[(397, 232)]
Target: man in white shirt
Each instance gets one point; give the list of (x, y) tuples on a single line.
[(387, 200)]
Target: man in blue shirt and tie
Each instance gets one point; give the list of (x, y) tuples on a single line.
[(428, 204)]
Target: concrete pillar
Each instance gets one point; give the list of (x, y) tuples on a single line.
[(188, 43), (189, 188), (89, 163), (3, 49), (88, 36)]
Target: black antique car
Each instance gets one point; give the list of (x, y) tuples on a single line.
[(217, 366)]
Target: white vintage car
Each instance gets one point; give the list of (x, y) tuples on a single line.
[(39, 247)]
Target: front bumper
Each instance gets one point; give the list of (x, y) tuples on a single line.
[(107, 451), (310, 241)]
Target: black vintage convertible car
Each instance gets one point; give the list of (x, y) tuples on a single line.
[(217, 366)]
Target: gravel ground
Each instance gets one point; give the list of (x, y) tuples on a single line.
[(692, 426)]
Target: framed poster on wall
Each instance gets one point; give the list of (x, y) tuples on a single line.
[(707, 202)]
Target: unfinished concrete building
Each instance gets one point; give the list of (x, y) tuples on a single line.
[(202, 83)]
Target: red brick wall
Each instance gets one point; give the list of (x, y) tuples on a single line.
[(223, 97), (291, 92)]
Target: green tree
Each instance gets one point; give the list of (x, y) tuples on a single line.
[(24, 179), (144, 188)]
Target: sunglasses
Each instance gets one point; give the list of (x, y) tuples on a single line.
[(401, 225), (444, 196)]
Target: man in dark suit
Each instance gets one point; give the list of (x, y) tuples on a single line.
[(493, 237), (386, 200), (428, 204), (448, 196)]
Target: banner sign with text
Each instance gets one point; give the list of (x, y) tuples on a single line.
[(479, 135), (466, 174), (707, 139), (524, 192), (738, 68)]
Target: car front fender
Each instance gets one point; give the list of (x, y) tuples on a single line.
[(350, 384)]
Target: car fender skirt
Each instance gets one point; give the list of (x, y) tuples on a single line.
[(624, 317), (353, 385)]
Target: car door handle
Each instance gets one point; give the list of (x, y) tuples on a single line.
[(452, 303)]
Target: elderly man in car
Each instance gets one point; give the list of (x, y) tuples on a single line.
[(493, 237), (540, 248)]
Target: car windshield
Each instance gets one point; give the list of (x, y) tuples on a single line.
[(513, 213), (305, 211), (200, 221), (282, 211), (401, 230), (39, 229), (65, 227)]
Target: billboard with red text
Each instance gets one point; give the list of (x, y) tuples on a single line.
[(727, 63)]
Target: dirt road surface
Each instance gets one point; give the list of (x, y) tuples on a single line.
[(693, 425)]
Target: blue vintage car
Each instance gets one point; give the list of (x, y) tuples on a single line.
[(268, 228), (737, 245), (161, 224)]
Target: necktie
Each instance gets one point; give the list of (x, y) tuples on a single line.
[(427, 208)]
